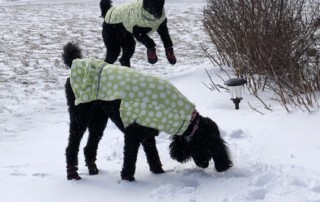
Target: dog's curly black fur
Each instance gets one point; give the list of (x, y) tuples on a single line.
[(117, 38), (203, 145)]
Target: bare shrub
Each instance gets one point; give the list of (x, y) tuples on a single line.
[(272, 43)]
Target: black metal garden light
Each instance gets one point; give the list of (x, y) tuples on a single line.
[(236, 87)]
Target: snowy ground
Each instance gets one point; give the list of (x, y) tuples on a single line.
[(276, 155)]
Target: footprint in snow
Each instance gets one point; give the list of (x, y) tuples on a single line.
[(258, 194), (17, 174), (42, 175), (264, 180), (237, 134)]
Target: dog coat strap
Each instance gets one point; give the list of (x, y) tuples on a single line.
[(99, 79), (194, 123)]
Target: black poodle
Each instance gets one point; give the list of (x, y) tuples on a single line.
[(138, 20), (193, 136)]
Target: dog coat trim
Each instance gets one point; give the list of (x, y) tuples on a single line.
[(133, 14), (195, 122), (145, 99)]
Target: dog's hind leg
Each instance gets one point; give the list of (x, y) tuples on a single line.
[(79, 118), (96, 127), (128, 45), (111, 41), (149, 146)]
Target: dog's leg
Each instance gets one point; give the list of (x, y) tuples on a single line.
[(149, 146), (128, 45), (131, 146), (219, 150), (79, 118), (111, 41), (96, 127), (167, 42), (220, 155), (141, 34), (164, 34)]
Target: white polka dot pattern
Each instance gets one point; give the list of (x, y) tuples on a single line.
[(146, 99), (133, 14)]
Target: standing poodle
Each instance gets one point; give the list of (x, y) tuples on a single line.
[(140, 105), (138, 20)]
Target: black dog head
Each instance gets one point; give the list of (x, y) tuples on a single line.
[(203, 145), (154, 7)]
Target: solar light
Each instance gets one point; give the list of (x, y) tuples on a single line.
[(236, 88)]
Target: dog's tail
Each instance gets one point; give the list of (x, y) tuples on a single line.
[(71, 51), (105, 5)]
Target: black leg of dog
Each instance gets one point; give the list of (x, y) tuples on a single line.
[(149, 146), (131, 146), (111, 42), (218, 147), (164, 34), (220, 155), (128, 45), (96, 127), (79, 119)]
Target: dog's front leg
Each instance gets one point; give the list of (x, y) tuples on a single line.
[(152, 154), (79, 118), (141, 34), (131, 146), (167, 42)]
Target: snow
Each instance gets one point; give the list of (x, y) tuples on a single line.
[(276, 155)]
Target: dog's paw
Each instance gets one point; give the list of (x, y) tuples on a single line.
[(170, 56), (93, 169), (157, 170), (221, 167), (73, 176), (152, 56), (72, 173), (129, 179)]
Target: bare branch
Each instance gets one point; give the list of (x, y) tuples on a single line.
[(272, 44), (255, 109)]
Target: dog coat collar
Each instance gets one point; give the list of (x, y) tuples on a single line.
[(195, 121), (133, 14), (145, 99)]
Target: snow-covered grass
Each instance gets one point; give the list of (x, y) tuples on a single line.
[(276, 155)]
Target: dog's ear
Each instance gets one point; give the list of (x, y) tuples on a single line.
[(179, 150)]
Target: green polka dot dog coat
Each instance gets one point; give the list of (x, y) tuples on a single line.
[(145, 99), (133, 14)]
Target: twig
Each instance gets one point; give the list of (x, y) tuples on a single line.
[(255, 109), (215, 86)]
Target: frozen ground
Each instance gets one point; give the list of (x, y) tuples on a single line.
[(276, 155)]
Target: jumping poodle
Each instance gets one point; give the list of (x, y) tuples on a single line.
[(138, 20), (140, 105)]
